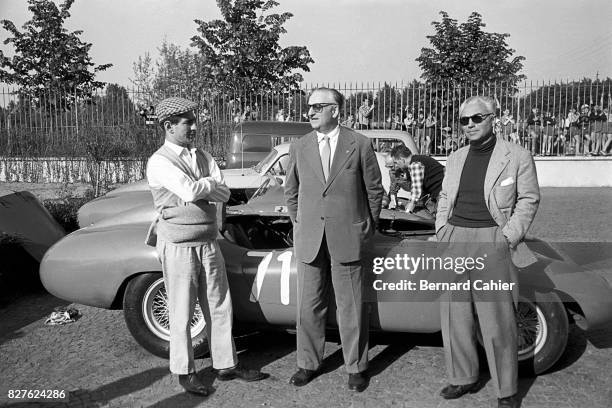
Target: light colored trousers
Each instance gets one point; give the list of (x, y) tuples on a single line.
[(462, 313), (192, 273)]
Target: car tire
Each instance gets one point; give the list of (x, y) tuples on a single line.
[(543, 329), (146, 315)]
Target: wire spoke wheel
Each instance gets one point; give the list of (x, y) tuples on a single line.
[(156, 313)]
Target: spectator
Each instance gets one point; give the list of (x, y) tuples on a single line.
[(364, 114), (280, 115), (584, 129), (548, 133), (607, 130), (409, 122), (246, 115), (508, 127), (534, 127), (449, 142), (597, 118), (396, 122), (430, 130), (350, 121), (571, 129), (420, 130)]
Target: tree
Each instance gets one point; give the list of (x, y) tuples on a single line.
[(241, 52), (465, 53), (48, 57)]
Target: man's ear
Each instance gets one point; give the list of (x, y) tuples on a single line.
[(336, 112), (168, 126)]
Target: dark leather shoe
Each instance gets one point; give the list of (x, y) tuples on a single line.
[(455, 391), (302, 377), (357, 382), (191, 383), (240, 372), (508, 402)]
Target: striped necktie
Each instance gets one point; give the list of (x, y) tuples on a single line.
[(326, 156)]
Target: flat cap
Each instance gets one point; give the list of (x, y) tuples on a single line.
[(173, 106)]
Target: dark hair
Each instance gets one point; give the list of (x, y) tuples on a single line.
[(336, 95), (400, 151), (174, 119)]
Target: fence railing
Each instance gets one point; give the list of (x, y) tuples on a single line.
[(557, 118)]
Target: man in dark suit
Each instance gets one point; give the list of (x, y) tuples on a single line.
[(489, 198), (334, 194)]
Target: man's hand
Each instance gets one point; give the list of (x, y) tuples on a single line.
[(409, 207), (392, 203)]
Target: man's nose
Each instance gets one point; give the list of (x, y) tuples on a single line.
[(193, 127)]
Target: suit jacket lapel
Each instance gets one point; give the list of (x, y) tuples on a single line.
[(456, 171), (313, 156), (498, 162), (344, 148)]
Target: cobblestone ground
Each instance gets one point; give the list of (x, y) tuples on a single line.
[(98, 364)]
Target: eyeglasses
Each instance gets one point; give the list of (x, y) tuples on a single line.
[(318, 107), (476, 119)]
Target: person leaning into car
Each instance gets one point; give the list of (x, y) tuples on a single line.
[(490, 194), (334, 194), (186, 183)]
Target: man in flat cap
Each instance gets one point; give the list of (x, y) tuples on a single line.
[(186, 184)]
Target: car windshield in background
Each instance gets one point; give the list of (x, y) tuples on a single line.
[(265, 187), (265, 162)]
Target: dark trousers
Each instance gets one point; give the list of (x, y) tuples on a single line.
[(314, 281)]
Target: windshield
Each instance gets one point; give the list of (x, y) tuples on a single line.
[(265, 162)]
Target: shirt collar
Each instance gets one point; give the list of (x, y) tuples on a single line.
[(332, 135), (178, 149)]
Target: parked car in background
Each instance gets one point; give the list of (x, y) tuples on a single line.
[(251, 141)]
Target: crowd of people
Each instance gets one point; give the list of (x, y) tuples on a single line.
[(583, 131)]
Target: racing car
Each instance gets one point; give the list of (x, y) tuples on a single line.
[(108, 265)]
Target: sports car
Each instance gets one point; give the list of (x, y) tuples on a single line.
[(108, 265)]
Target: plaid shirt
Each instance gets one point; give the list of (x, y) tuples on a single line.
[(417, 174)]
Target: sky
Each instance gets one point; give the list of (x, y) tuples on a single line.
[(353, 41)]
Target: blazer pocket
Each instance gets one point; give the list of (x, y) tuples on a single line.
[(505, 196)]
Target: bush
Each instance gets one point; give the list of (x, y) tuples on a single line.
[(65, 208)]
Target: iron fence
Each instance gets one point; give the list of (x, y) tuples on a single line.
[(556, 118)]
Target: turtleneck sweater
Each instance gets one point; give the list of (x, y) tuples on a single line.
[(470, 208)]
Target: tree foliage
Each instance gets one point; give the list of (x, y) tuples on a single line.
[(465, 53), (47, 56), (241, 51)]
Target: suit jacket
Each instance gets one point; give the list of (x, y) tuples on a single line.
[(511, 193), (346, 207)]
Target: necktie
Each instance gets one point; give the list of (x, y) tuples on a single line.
[(325, 157)]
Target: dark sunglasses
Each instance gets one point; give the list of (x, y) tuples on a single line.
[(318, 107), (476, 119)]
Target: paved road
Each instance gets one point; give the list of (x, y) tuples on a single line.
[(97, 363)]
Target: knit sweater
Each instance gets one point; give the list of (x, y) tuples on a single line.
[(470, 208), (183, 224)]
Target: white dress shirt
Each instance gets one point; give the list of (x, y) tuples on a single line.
[(162, 173), (333, 142)]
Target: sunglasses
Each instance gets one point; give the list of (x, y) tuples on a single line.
[(476, 119), (318, 107)]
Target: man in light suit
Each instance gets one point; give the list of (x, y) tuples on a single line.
[(489, 197), (334, 194)]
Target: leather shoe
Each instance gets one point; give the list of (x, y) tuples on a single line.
[(240, 372), (508, 402), (302, 377), (455, 391), (357, 382), (191, 383)]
